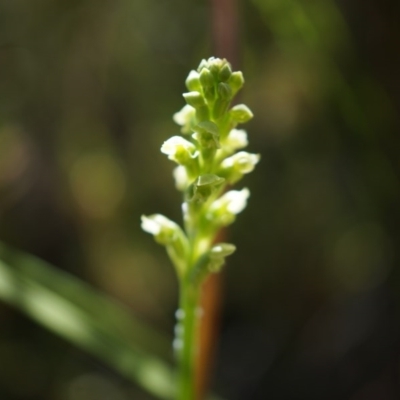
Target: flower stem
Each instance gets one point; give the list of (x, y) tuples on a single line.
[(189, 298)]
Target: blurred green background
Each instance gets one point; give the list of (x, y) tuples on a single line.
[(311, 298)]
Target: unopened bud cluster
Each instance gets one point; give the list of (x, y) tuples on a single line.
[(208, 161)]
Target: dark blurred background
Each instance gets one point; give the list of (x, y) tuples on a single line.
[(311, 298)]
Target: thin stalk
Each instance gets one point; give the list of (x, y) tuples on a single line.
[(187, 331)]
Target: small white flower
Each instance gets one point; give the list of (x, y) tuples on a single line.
[(242, 162), (149, 225), (173, 144), (224, 209), (236, 200), (184, 116), (237, 139), (163, 229), (156, 224), (170, 235), (179, 149)]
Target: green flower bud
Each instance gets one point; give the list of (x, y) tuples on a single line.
[(206, 79), (213, 64), (222, 103), (225, 73), (211, 261), (241, 113), (194, 99), (236, 81), (224, 91), (192, 81), (203, 64), (222, 250), (207, 82), (214, 68), (217, 256)]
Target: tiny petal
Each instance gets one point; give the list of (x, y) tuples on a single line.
[(184, 116), (224, 209), (237, 139), (172, 145), (155, 224), (179, 150), (149, 225), (236, 200), (243, 162)]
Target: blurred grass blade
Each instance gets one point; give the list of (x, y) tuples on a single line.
[(91, 321)]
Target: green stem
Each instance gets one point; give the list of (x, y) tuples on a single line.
[(187, 339)]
